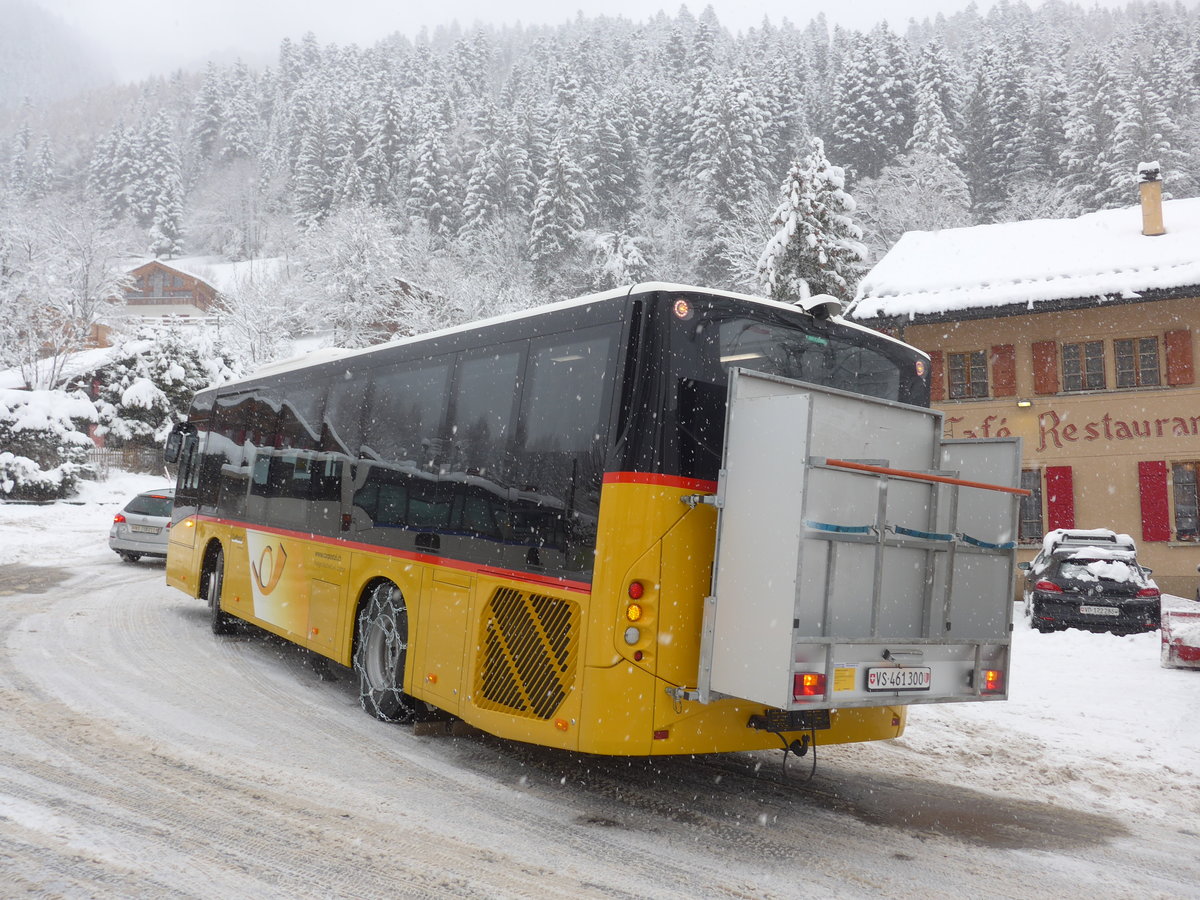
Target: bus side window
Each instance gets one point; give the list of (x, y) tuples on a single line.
[(396, 481), (559, 455)]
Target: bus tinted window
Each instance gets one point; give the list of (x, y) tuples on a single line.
[(484, 410), (558, 460), (715, 335), (345, 412), (405, 418), (396, 481)]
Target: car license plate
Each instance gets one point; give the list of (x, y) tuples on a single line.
[(915, 678), (1099, 610), (145, 529)]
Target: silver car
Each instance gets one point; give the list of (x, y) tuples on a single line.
[(140, 529)]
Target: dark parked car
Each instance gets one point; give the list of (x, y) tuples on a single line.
[(1090, 579), (140, 529)]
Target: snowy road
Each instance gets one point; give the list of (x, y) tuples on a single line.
[(142, 757)]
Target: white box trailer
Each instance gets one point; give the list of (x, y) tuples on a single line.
[(861, 560)]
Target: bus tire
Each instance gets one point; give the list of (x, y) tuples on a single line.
[(214, 580), (380, 654)]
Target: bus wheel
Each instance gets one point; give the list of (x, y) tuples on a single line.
[(380, 652), (214, 580)]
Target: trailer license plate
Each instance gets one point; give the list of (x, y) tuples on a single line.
[(145, 529), (1099, 610), (917, 678)]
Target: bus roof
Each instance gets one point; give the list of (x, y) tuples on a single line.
[(330, 354)]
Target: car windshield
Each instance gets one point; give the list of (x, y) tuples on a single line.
[(150, 505)]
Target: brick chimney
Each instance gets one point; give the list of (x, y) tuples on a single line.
[(1150, 186)]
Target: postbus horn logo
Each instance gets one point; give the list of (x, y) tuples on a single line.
[(272, 565)]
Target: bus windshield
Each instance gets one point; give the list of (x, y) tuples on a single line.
[(711, 335)]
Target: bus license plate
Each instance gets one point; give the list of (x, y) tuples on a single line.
[(145, 529), (917, 678), (1099, 610)]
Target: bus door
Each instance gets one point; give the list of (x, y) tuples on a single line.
[(329, 560)]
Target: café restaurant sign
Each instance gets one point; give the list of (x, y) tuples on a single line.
[(1060, 430)]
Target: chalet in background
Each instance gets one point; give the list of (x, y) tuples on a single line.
[(1079, 335)]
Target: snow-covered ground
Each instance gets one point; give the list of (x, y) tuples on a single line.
[(140, 756)]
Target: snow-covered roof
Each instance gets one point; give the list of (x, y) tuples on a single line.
[(218, 272), (1102, 255)]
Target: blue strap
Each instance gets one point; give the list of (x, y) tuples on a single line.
[(839, 529), (924, 535), (975, 542)]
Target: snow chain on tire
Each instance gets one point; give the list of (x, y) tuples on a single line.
[(380, 654)]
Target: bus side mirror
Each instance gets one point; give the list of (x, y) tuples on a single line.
[(174, 444)]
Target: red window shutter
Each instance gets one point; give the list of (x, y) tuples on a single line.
[(1156, 513), (1060, 497), (1179, 357), (1004, 371), (1045, 367), (937, 376)]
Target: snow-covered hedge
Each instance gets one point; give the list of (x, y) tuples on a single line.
[(43, 451)]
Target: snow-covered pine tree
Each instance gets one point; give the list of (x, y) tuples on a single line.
[(239, 114), (1091, 122), (41, 171), (159, 192), (384, 160), (896, 90), (314, 178), (857, 139), (18, 160), (207, 112), (431, 188), (817, 247), (982, 169), (1145, 130), (730, 165), (612, 160), (560, 211), (936, 128)]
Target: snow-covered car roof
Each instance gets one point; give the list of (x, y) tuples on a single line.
[(1083, 541)]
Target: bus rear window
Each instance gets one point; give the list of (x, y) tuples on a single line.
[(712, 338)]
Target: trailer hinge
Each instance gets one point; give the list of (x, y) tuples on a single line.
[(694, 500), (679, 694)]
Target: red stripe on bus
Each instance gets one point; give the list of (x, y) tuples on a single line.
[(672, 481), (580, 587)]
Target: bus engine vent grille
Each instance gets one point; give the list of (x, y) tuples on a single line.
[(530, 646)]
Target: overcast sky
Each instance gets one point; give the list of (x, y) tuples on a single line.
[(143, 37)]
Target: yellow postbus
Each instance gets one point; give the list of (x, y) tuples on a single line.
[(505, 522)]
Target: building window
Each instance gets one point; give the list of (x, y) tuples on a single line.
[(1187, 515), (968, 374), (1031, 528), (1083, 366), (1137, 362)]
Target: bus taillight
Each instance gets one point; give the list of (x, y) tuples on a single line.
[(636, 590)]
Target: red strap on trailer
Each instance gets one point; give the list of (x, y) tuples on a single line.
[(922, 476)]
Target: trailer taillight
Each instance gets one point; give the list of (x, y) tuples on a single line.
[(808, 684), (991, 681)]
